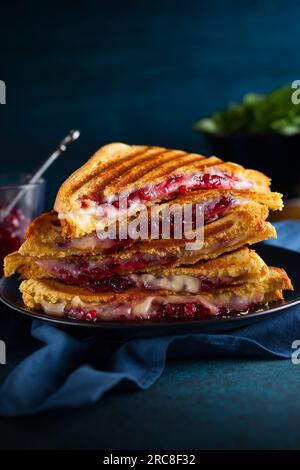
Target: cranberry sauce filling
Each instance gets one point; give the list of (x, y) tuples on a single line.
[(182, 310), (115, 283), (218, 207), (12, 230), (78, 313), (79, 272), (213, 210), (193, 310), (119, 283), (91, 242), (158, 311), (177, 185), (181, 184)]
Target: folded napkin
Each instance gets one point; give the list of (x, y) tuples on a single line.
[(67, 371)]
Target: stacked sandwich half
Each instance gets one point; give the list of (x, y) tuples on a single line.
[(70, 269)]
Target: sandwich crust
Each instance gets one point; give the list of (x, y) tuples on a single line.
[(24, 265), (119, 168)]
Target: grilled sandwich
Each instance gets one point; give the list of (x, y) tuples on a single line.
[(119, 179), (242, 226), (45, 235), (61, 300), (232, 268), (70, 271)]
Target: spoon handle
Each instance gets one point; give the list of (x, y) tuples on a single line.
[(62, 147)]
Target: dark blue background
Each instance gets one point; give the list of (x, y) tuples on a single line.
[(143, 72), (134, 71)]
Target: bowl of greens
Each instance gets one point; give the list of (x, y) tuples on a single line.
[(263, 132)]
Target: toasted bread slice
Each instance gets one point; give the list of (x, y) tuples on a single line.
[(57, 299), (243, 226), (88, 221), (145, 175), (44, 237), (243, 265), (24, 265)]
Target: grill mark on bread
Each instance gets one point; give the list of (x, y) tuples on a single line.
[(133, 175), (202, 164), (90, 169), (107, 160), (113, 168), (133, 171), (186, 163)]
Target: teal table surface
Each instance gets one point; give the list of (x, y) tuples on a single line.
[(197, 404), (208, 404)]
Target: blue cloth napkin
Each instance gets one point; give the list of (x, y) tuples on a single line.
[(66, 371)]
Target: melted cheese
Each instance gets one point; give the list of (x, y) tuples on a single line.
[(176, 283), (142, 308), (147, 307), (56, 309)]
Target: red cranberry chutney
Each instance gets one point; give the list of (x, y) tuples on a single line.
[(12, 229), (171, 311), (121, 283), (79, 272), (176, 185)]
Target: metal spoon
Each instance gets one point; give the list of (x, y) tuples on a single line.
[(62, 147)]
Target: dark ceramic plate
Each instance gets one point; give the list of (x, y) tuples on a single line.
[(289, 260)]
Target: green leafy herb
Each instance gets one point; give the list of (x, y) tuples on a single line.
[(257, 114)]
